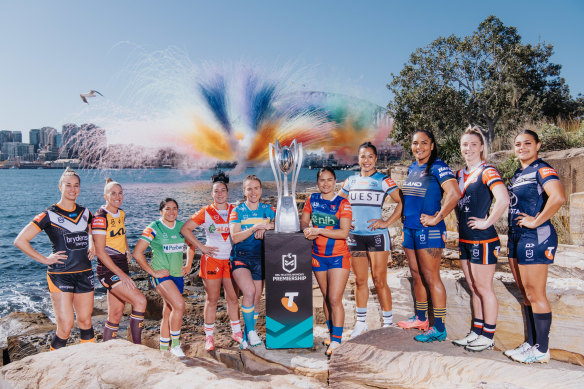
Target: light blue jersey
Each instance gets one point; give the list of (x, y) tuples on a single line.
[(366, 195), (247, 218)]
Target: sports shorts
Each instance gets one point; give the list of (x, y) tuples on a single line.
[(213, 268), (107, 277), (243, 260), (482, 252), (321, 263), (537, 246), (178, 281), (377, 242), (78, 282), (424, 238)]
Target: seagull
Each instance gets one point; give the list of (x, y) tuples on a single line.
[(90, 94)]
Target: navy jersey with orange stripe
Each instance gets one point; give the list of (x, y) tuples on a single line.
[(68, 231), (526, 190), (327, 214), (476, 188)]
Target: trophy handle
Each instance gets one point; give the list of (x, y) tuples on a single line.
[(274, 150), (297, 153)]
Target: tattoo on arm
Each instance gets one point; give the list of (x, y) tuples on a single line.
[(434, 251)]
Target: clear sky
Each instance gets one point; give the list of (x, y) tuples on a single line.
[(50, 51)]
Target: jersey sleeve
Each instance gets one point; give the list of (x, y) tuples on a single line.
[(346, 210), (545, 174), (89, 217), (41, 221), (491, 177), (388, 185), (99, 224), (271, 213), (199, 217), (307, 206), (346, 187), (442, 172), (148, 234), (234, 217)]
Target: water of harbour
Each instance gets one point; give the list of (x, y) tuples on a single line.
[(25, 193)]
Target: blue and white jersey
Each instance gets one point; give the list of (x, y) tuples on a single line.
[(423, 192), (366, 195), (247, 218), (526, 192)]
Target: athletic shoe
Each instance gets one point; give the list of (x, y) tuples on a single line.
[(254, 339), (177, 351), (414, 322), (209, 343), (532, 355), (387, 325), (332, 348), (521, 349), (327, 342), (470, 337), (431, 335), (359, 329), (481, 343), (243, 345), (237, 336)]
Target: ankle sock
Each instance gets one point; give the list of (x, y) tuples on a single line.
[(489, 330)]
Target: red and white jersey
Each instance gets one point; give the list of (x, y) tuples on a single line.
[(216, 224)]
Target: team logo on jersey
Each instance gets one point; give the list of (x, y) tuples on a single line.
[(549, 253), (289, 262), (333, 207), (512, 200), (288, 301), (529, 253), (61, 219), (215, 217)]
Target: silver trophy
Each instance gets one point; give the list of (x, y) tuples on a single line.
[(285, 160)]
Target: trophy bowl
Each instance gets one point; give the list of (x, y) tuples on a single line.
[(285, 159)]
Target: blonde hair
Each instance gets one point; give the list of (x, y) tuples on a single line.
[(109, 183), (68, 173), (478, 131), (251, 177)]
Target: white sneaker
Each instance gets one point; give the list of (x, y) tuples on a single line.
[(176, 350), (387, 325), (253, 338), (332, 348), (471, 336), (243, 345), (359, 329), (481, 343), (519, 350), (532, 355)]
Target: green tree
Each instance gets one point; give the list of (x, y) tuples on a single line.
[(488, 79)]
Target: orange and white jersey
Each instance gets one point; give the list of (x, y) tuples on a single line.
[(216, 224)]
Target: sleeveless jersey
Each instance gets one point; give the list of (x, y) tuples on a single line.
[(476, 188), (366, 195), (526, 190), (327, 214), (423, 192), (167, 246), (216, 225), (68, 231), (113, 227), (247, 218)]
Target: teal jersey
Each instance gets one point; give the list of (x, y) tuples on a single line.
[(168, 246)]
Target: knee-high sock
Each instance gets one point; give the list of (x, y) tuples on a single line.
[(136, 324), (248, 321), (110, 330), (530, 325), (543, 323)]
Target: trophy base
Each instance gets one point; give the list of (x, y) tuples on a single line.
[(287, 215)]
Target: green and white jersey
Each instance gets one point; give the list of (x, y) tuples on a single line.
[(167, 246)]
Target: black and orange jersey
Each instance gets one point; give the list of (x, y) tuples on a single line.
[(327, 214), (68, 231), (114, 228)]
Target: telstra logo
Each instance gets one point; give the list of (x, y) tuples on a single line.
[(288, 301)]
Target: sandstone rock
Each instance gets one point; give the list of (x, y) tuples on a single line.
[(390, 358), (21, 323), (120, 364), (577, 218)]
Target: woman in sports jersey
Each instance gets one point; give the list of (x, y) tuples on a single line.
[(369, 238), (424, 231), (214, 269), (536, 195), (478, 241), (166, 270), (69, 274), (111, 247), (331, 222), (247, 223)]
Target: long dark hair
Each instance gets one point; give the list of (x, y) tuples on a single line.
[(434, 153)]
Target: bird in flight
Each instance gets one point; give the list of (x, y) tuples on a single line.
[(91, 93)]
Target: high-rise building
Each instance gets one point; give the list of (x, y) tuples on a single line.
[(34, 138), (5, 136), (48, 137), (17, 136)]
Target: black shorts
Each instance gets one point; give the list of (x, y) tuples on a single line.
[(482, 252), (78, 282), (536, 246), (107, 277), (377, 242)]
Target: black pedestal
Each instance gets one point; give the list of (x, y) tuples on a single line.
[(288, 270)]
